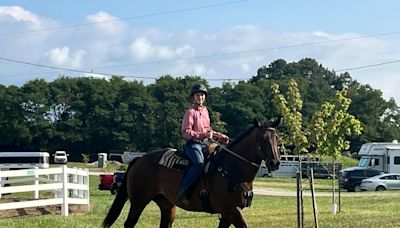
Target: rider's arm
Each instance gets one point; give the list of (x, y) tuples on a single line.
[(220, 137)]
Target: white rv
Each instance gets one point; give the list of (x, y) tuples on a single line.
[(380, 155), (22, 160), (290, 164)]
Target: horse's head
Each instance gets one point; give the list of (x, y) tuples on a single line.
[(269, 141)]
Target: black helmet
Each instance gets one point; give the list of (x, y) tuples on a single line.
[(198, 88)]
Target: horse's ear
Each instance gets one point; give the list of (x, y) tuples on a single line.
[(256, 122), (276, 122)]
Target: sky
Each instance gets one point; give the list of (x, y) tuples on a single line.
[(219, 40)]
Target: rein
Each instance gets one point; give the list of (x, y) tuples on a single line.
[(262, 147), (239, 156)]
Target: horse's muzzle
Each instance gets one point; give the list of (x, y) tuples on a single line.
[(273, 165)]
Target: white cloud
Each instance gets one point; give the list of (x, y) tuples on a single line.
[(19, 14), (63, 58), (198, 69), (185, 51), (234, 52), (142, 49), (107, 23)]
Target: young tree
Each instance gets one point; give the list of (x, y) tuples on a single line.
[(329, 128), (331, 125), (290, 109)]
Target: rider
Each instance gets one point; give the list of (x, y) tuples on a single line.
[(196, 130)]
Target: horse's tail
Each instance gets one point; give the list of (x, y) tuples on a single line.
[(119, 200)]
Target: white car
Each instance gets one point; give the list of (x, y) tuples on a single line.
[(388, 181), (60, 157)]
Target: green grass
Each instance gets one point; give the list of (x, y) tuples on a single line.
[(366, 209), (110, 168)]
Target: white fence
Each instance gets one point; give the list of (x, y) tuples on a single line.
[(69, 185)]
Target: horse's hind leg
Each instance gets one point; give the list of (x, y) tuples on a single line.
[(168, 211), (135, 211)]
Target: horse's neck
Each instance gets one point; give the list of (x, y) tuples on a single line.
[(247, 148)]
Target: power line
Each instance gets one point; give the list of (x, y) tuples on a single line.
[(251, 51), (144, 77), (125, 18), (219, 54), (70, 70), (215, 55), (368, 66), (223, 54)]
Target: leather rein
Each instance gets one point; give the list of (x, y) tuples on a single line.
[(262, 148)]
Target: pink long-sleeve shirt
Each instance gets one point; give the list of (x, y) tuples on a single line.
[(196, 124)]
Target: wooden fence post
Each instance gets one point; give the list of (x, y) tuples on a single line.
[(314, 201)]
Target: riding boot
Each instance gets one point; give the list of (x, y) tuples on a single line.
[(182, 197)]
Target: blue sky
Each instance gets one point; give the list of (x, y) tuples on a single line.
[(153, 38)]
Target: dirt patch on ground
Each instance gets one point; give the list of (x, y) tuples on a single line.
[(34, 211)]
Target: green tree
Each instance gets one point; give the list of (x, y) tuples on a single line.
[(372, 110), (172, 97), (134, 117), (241, 104), (290, 108), (14, 132), (67, 115), (216, 122), (330, 126)]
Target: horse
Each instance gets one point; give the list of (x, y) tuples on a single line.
[(225, 190)]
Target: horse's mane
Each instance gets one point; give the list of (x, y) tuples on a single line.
[(240, 137)]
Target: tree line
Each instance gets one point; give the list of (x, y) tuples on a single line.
[(92, 115)]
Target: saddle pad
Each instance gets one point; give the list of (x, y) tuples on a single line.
[(172, 161)]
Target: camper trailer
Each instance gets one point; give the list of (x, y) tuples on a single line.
[(383, 156), (290, 164)]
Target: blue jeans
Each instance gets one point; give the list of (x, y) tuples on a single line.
[(193, 151)]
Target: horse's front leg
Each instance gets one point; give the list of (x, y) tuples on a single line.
[(234, 217), (224, 222)]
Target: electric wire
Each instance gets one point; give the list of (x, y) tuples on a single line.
[(124, 18)]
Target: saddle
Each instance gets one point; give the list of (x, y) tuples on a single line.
[(176, 159)]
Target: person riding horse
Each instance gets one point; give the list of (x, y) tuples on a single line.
[(196, 130)]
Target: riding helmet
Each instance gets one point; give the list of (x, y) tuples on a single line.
[(198, 88)]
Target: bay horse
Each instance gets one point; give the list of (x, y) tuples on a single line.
[(228, 189)]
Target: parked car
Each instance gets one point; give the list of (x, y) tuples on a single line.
[(106, 181), (117, 181), (111, 181), (382, 182), (60, 157), (350, 178)]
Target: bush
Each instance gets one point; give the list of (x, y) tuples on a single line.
[(85, 158), (122, 167)]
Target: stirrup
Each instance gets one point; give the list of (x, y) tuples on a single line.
[(182, 198)]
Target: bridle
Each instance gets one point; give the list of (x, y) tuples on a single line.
[(264, 144)]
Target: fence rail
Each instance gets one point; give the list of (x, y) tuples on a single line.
[(69, 185)]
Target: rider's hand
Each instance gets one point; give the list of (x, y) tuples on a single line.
[(223, 140), (206, 135)]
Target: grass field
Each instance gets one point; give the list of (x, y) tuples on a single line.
[(365, 209)]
